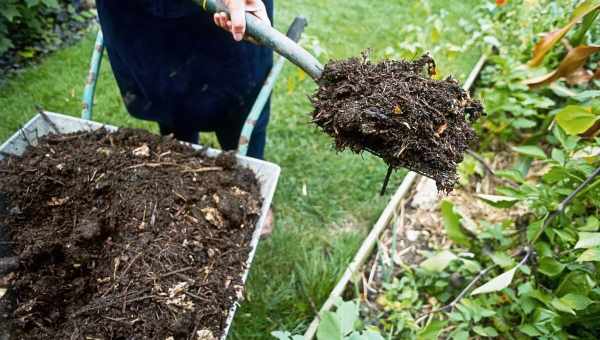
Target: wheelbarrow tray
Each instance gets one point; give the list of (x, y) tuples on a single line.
[(267, 173)]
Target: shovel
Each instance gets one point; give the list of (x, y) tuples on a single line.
[(266, 35)]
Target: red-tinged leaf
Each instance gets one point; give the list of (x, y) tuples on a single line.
[(501, 2), (574, 60), (550, 39)]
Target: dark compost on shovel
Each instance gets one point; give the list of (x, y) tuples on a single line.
[(395, 110), (124, 235)]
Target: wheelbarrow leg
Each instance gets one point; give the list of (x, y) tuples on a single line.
[(92, 78), (294, 33)]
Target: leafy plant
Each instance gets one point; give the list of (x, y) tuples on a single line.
[(341, 324), (28, 26)]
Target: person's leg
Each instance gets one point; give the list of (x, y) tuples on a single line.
[(228, 134), (179, 133), (258, 140)]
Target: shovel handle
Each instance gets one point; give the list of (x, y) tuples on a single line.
[(268, 36)]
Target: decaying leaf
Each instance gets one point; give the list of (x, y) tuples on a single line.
[(56, 201), (550, 39), (579, 77), (205, 334), (142, 151), (573, 61), (213, 216)]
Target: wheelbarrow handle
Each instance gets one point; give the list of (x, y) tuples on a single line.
[(296, 28), (270, 37)]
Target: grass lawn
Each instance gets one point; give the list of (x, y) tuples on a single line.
[(318, 232)]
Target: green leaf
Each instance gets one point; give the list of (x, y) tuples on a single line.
[(523, 123), (439, 261), (543, 315), (559, 305), (534, 230), (586, 95), (576, 282), (459, 335), (502, 259), (591, 224), (329, 327), (587, 240), (432, 331), (530, 330), (348, 314), (576, 301), (592, 254), (10, 12), (498, 201), (496, 284), (512, 174), (31, 3), (372, 335), (576, 119), (530, 150), (51, 3), (559, 156), (586, 23), (453, 225), (565, 234), (550, 267), (555, 174), (485, 331), (281, 335)]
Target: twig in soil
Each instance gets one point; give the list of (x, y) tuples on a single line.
[(152, 165), (482, 161), (176, 271), (137, 256), (197, 297), (47, 119), (563, 205), (208, 168)]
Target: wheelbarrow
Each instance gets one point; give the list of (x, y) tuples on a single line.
[(47, 122)]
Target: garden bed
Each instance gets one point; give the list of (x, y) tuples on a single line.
[(130, 235)]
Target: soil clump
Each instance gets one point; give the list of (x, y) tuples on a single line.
[(397, 111)]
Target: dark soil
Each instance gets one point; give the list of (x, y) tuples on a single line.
[(124, 235), (394, 109)]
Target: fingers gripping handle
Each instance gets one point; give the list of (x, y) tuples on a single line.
[(270, 37)]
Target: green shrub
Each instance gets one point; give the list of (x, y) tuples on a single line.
[(30, 26)]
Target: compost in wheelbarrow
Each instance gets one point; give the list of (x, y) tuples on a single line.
[(125, 235)]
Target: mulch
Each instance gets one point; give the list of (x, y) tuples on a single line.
[(123, 235)]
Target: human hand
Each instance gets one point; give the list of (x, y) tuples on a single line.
[(236, 21)]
